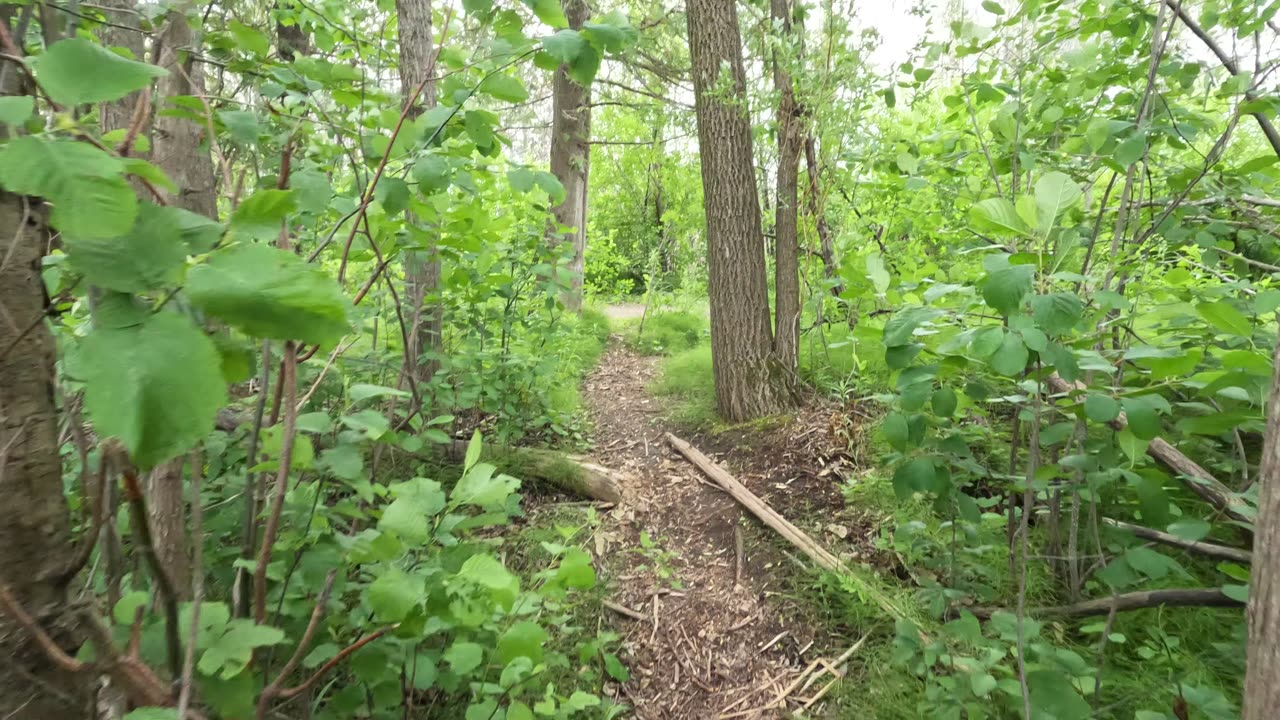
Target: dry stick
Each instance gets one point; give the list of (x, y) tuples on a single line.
[(1221, 552), (98, 499), (197, 580), (168, 596), (738, 554), (289, 693), (288, 378), (624, 610), (1181, 597), (14, 609), (249, 523), (273, 690), (1200, 481)]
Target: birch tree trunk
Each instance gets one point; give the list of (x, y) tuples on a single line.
[(571, 160), (749, 379)]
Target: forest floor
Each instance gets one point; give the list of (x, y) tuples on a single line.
[(710, 627)]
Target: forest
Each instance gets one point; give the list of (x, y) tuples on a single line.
[(655, 359)]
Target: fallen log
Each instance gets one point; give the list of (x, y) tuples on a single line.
[(1221, 552), (569, 473), (1188, 597), (1197, 479)]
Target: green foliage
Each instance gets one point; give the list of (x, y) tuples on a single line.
[(665, 332)]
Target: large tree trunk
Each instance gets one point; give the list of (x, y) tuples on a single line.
[(421, 269), (571, 159), (786, 279), (1262, 678), (34, 535), (749, 380)]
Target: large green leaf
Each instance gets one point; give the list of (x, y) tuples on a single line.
[(1225, 317), (90, 196), (1011, 358), (486, 571), (611, 33), (549, 12), (564, 46), (156, 387), (1056, 193), (918, 475), (505, 87), (76, 71), (261, 214), (270, 293), (394, 594), (901, 327), (997, 215), (1056, 313), (1004, 289), (524, 639), (145, 258)]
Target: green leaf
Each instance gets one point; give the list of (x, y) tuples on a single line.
[(145, 258), (394, 594), (90, 197), (432, 173), (916, 475), (15, 110), (250, 38), (995, 9), (477, 7), (1132, 445), (344, 461), (242, 125), (486, 571), (612, 33), (986, 341), (584, 67), (944, 402), (1056, 193), (77, 71), (1144, 420), (1056, 313), (393, 194), (156, 387), (877, 274), (524, 639), (474, 447), (424, 672), (549, 12), (1004, 289), (900, 328), (1239, 593), (505, 87), (564, 46), (1224, 316), (980, 682), (1131, 150), (1011, 358), (1192, 529), (198, 233), (1063, 360), (270, 293), (261, 214), (997, 215), (153, 713), (417, 501), (231, 653), (575, 570), (463, 657), (615, 668), (1053, 692), (479, 486), (896, 432), (580, 700), (1101, 408)]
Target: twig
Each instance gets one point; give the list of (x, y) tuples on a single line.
[(168, 595), (273, 690), (343, 654), (197, 581), (289, 431), (623, 610), (14, 610)]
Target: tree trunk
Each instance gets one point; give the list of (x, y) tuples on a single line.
[(749, 380), (291, 39), (421, 269), (786, 279), (571, 160), (180, 148), (1262, 677), (34, 537), (826, 246)]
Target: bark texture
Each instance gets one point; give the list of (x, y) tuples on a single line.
[(180, 146), (826, 248), (749, 381), (421, 269), (571, 159), (1262, 677), (34, 537), (786, 278)]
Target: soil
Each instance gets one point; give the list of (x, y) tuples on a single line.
[(699, 586)]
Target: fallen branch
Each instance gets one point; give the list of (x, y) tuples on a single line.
[(758, 507), (1189, 597), (1221, 552), (624, 610), (1197, 479), (567, 472)]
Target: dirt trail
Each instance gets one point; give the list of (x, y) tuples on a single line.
[(711, 643)]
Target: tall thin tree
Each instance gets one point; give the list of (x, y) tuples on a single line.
[(786, 278), (571, 158), (749, 379)]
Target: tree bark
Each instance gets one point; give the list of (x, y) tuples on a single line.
[(786, 266), (34, 537), (421, 269), (1140, 600), (571, 160), (749, 380), (1262, 676)]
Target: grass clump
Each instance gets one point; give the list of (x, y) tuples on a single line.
[(686, 379), (667, 332)]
